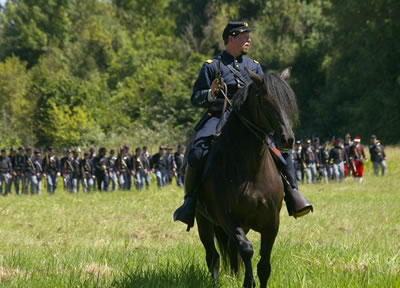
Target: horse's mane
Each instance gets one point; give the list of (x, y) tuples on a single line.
[(276, 91)]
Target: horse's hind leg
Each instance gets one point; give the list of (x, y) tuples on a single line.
[(246, 252), (264, 265), (206, 233)]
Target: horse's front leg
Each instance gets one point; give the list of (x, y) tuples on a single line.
[(206, 233), (246, 252), (264, 266)]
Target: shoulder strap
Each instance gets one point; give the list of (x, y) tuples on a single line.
[(238, 75)]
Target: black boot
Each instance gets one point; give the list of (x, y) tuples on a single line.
[(296, 204), (186, 212)]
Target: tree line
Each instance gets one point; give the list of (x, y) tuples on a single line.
[(89, 72)]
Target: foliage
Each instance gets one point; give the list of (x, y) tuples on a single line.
[(129, 66)]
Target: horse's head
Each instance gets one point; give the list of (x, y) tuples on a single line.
[(272, 106)]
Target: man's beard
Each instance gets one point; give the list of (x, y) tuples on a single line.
[(245, 51)]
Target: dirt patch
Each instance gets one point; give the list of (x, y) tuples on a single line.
[(7, 273), (97, 270), (137, 235)]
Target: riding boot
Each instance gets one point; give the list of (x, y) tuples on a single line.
[(296, 204), (186, 212)]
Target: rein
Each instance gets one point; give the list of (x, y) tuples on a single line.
[(258, 132)]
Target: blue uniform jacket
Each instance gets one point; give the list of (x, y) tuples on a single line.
[(208, 123)]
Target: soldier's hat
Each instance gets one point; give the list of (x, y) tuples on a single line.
[(357, 139), (51, 148), (335, 142), (373, 136), (316, 139), (102, 149), (112, 151), (298, 142), (161, 147), (20, 148), (3, 150), (12, 150), (138, 149), (235, 28), (37, 152), (86, 153), (308, 141)]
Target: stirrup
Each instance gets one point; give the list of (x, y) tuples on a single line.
[(303, 212)]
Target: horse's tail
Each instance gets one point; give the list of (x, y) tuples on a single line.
[(229, 252)]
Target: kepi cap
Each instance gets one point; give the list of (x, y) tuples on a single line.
[(235, 28)]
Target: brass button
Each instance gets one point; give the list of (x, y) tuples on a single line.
[(237, 66), (209, 114), (235, 60)]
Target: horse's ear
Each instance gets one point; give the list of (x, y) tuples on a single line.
[(254, 77), (285, 74)]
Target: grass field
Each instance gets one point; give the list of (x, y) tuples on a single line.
[(128, 239)]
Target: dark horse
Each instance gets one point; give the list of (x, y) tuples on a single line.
[(243, 188)]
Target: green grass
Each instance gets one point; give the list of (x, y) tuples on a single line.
[(128, 239)]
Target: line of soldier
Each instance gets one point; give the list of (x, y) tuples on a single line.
[(26, 169), (315, 162)]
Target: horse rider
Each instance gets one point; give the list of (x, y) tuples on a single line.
[(230, 66)]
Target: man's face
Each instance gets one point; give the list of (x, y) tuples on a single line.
[(373, 140), (4, 154), (241, 42)]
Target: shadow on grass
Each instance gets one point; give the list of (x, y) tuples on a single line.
[(169, 276)]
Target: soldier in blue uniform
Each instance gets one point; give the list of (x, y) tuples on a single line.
[(76, 172), (18, 169), (206, 94), (51, 166), (138, 169), (29, 173), (147, 165), (159, 164), (112, 170), (100, 163), (179, 158), (338, 158), (38, 162), (327, 169), (378, 156), (87, 173), (297, 161), (123, 172), (6, 171)]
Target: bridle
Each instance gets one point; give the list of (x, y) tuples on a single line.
[(257, 131)]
